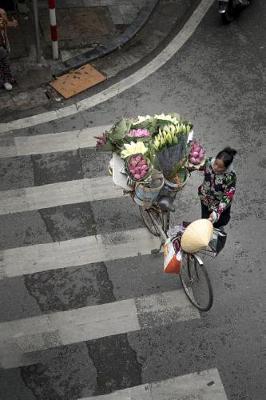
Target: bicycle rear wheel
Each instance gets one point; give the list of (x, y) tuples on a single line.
[(196, 282), (154, 213)]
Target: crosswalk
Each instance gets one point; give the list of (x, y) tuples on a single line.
[(24, 336), (30, 342), (205, 385), (58, 194), (52, 142), (75, 252)]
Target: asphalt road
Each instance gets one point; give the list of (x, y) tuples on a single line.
[(217, 81)]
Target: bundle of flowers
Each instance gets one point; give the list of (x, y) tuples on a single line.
[(171, 150), (138, 167), (196, 154), (114, 139), (161, 139), (138, 133), (133, 148)]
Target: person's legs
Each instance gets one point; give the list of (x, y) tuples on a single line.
[(205, 213), (224, 218), (5, 72)]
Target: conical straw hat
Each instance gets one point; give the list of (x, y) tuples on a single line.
[(197, 236)]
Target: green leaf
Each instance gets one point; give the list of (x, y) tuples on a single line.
[(119, 130), (149, 124)]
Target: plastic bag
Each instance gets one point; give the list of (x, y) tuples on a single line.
[(172, 259), (218, 240)]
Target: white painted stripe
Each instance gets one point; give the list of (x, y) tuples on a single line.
[(58, 194), (55, 49), (17, 338), (53, 142), (204, 385), (7, 151), (75, 252), (52, 16), (119, 87)]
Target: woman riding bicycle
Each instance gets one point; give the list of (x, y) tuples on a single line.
[(218, 188)]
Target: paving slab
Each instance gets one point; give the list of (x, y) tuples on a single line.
[(94, 24)]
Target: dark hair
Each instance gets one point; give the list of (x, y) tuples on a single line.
[(227, 156)]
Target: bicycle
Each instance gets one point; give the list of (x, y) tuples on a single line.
[(193, 273)]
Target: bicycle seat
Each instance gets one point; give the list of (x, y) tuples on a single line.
[(166, 204)]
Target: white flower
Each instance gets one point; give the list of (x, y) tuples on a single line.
[(167, 117), (133, 148), (141, 118)]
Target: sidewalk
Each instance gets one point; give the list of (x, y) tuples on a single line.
[(89, 30), (83, 25)]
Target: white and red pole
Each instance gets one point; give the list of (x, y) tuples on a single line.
[(53, 28)]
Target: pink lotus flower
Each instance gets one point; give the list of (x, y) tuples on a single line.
[(139, 133)]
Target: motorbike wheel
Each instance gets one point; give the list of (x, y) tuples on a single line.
[(229, 15)]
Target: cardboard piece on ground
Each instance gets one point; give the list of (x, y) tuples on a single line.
[(77, 81)]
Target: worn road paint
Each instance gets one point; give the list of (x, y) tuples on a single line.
[(76, 252), (205, 385), (30, 335), (52, 142), (58, 194)]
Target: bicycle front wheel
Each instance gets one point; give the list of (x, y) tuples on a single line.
[(196, 282), (154, 217)]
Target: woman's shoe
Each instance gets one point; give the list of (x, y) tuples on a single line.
[(8, 86)]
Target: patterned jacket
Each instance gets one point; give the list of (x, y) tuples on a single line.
[(217, 190)]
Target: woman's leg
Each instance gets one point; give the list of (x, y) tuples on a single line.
[(205, 213), (224, 218), (5, 72)]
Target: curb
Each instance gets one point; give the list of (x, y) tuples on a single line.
[(111, 45)]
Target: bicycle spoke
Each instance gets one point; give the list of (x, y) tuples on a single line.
[(196, 283)]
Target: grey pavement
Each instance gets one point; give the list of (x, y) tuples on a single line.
[(82, 25), (114, 36)]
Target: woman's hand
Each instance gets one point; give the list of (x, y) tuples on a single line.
[(213, 217)]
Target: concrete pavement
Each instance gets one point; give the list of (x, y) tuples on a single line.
[(123, 35)]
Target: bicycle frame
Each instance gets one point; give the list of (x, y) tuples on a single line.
[(163, 235), (195, 255)]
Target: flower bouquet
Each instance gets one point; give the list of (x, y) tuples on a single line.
[(123, 132), (170, 147), (138, 166), (196, 157), (149, 143)]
